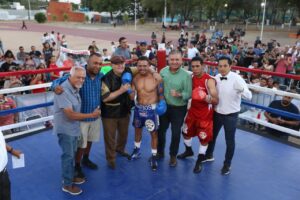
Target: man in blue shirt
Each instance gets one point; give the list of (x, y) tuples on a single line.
[(66, 125)]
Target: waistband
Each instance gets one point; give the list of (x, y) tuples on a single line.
[(146, 107), (3, 171)]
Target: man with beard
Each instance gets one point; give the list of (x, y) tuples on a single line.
[(286, 105)]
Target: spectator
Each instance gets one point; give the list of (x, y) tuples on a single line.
[(38, 79), (52, 65), (7, 103), (106, 57), (21, 55), (286, 105), (123, 49), (147, 53), (283, 65), (1, 46), (52, 39), (63, 41), (47, 52)]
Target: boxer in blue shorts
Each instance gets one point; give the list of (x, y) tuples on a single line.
[(149, 104), (146, 115)]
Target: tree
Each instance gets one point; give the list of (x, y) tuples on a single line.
[(40, 17), (110, 6)]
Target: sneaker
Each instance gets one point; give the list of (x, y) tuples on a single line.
[(225, 170), (135, 154), (153, 163), (88, 163), (188, 153), (123, 153), (79, 173), (173, 161), (208, 158), (78, 181), (73, 190), (198, 165)]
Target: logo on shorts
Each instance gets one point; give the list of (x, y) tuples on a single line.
[(202, 135), (149, 125)]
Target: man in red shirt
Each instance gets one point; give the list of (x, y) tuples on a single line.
[(199, 119), (7, 103)]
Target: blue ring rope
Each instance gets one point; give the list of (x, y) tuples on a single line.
[(25, 108), (274, 111), (271, 110)]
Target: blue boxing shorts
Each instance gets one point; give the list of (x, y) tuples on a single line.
[(145, 115)]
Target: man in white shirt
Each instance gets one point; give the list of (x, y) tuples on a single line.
[(4, 178), (231, 88)]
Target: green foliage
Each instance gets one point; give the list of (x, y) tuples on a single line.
[(66, 17), (40, 17), (141, 21), (54, 18)]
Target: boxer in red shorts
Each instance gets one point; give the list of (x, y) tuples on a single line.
[(199, 119)]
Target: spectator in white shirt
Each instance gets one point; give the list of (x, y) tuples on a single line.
[(192, 51), (231, 87)]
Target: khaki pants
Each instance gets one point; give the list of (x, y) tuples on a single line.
[(115, 136)]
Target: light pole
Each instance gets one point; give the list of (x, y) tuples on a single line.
[(29, 8), (263, 19), (135, 15), (165, 13)]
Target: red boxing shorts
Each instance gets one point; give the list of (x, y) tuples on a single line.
[(203, 129)]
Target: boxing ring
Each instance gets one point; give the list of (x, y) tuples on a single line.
[(262, 168)]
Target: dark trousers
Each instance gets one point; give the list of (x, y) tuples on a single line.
[(115, 136), (229, 122), (174, 115), (4, 185)]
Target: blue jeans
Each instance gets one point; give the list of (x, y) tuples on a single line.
[(68, 145), (229, 122), (174, 115)]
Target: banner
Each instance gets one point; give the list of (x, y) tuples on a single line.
[(69, 58)]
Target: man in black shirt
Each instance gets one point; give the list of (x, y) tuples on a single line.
[(285, 105)]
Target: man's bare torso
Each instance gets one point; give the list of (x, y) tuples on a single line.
[(146, 87)]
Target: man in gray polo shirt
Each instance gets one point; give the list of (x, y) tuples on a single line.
[(66, 126)]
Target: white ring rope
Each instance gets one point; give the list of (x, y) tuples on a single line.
[(24, 88)]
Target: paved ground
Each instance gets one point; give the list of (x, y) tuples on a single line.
[(79, 36)]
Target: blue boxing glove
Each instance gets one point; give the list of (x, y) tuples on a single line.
[(161, 107), (127, 79)]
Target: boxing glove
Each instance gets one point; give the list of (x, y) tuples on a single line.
[(127, 79), (198, 94), (161, 107)]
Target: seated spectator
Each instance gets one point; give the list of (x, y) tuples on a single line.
[(35, 55), (9, 61), (7, 103), (144, 52), (267, 67), (38, 79), (29, 63), (21, 55), (106, 57), (285, 105), (12, 82), (270, 82), (52, 65)]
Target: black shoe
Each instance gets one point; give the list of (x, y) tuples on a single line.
[(198, 165), (135, 154), (88, 163), (225, 170), (160, 156), (78, 172), (173, 161), (188, 153), (153, 163), (123, 154), (208, 158)]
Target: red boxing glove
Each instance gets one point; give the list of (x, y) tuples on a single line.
[(199, 95)]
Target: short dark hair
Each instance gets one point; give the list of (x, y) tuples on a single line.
[(122, 38), (142, 58), (225, 58), (197, 58), (95, 54)]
